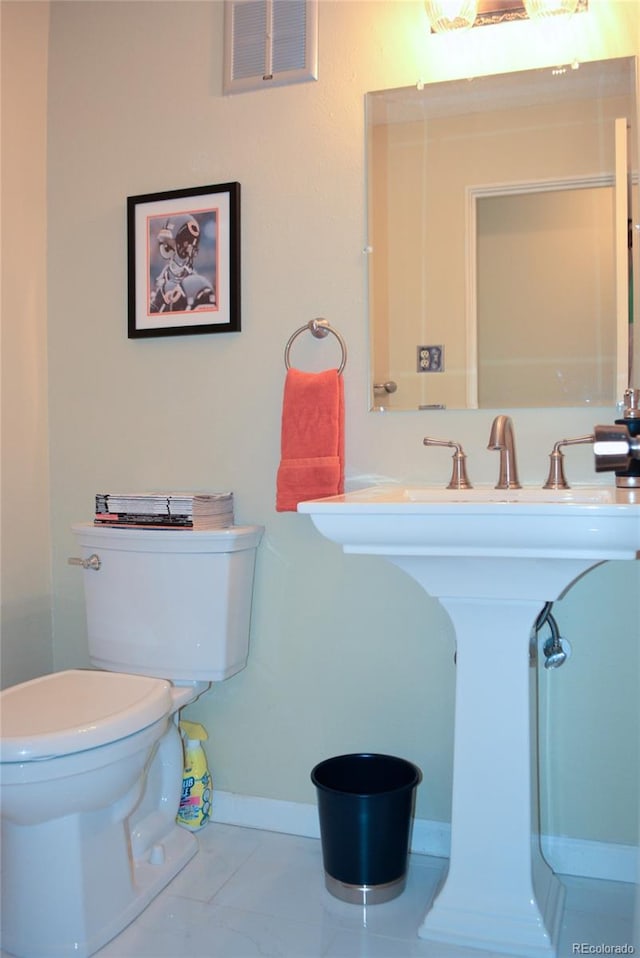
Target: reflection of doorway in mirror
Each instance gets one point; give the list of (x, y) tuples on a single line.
[(530, 247)]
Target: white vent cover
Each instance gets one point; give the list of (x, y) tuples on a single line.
[(269, 43)]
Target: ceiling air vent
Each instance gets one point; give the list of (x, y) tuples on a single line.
[(269, 43)]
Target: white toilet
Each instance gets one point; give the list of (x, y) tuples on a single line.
[(91, 761)]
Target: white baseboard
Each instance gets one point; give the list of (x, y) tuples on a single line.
[(270, 814), (567, 856), (587, 859)]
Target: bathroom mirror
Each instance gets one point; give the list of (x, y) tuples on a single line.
[(499, 213)]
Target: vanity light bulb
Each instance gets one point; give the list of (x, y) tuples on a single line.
[(447, 15), (543, 9)]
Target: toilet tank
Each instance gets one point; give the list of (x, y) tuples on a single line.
[(174, 603)]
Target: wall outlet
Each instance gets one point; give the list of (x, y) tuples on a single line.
[(430, 359)]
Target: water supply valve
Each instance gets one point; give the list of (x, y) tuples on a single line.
[(556, 649)]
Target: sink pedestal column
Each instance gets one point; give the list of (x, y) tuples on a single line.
[(499, 892)]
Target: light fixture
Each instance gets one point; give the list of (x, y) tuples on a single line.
[(547, 9), (447, 15)]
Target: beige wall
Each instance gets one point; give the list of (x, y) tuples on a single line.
[(347, 653), (26, 543)]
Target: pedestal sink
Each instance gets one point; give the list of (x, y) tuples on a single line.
[(492, 558)]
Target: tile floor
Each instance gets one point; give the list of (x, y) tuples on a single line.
[(256, 894), (253, 893)]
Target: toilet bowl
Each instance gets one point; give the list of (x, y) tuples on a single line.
[(76, 724), (73, 772), (91, 761)]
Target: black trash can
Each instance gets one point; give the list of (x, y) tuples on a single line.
[(365, 806)]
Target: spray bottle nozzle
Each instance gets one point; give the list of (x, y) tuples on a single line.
[(194, 731)]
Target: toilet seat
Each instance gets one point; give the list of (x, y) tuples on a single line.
[(75, 710)]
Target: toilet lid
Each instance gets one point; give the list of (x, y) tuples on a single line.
[(76, 710)]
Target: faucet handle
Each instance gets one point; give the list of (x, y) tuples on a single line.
[(556, 478), (459, 478)]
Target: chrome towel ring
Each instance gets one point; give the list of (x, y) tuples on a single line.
[(318, 328)]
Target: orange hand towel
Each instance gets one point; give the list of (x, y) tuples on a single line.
[(312, 442)]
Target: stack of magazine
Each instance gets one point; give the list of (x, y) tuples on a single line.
[(165, 510)]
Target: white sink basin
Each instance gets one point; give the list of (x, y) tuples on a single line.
[(585, 522), (492, 558)]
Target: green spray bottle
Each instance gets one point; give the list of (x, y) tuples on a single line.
[(197, 787)]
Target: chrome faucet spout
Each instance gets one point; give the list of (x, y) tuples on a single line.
[(502, 439)]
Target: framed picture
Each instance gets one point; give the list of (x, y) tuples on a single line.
[(184, 261)]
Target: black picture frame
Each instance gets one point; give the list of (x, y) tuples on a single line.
[(184, 261)]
